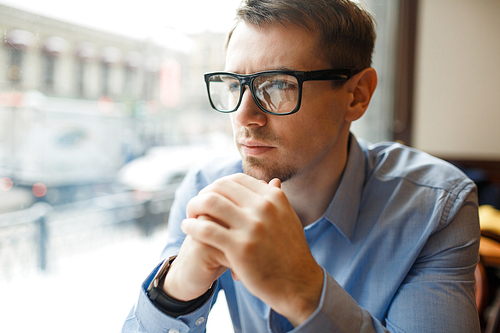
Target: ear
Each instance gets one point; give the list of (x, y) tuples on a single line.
[(360, 87)]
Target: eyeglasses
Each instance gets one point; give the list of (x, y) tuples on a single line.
[(274, 92)]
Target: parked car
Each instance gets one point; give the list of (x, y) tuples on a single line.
[(154, 177)]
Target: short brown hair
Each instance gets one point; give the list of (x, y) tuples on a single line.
[(345, 29)]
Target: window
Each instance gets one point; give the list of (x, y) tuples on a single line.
[(52, 50), (49, 69), (109, 58), (16, 63), (376, 123), (84, 53), (132, 63), (151, 76), (101, 92), (17, 42)]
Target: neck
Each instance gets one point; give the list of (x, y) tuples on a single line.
[(311, 192)]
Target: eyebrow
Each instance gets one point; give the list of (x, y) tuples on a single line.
[(281, 68)]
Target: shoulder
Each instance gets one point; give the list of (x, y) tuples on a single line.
[(212, 169), (393, 161), (414, 181), (428, 193)]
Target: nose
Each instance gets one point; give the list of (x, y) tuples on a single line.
[(248, 113)]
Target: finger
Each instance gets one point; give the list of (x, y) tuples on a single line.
[(276, 182), (271, 192), (241, 189), (229, 188), (217, 255), (234, 276), (270, 189), (253, 184), (216, 208), (207, 232)]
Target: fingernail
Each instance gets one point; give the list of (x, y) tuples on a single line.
[(185, 225)]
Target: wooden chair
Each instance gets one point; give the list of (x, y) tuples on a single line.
[(482, 291), (487, 291)]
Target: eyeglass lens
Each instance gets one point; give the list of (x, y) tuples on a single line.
[(278, 93)]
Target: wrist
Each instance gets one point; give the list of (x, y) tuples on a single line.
[(180, 288), (155, 286), (305, 301), (170, 305)]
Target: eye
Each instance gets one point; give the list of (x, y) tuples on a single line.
[(282, 85), (233, 86), (276, 83)]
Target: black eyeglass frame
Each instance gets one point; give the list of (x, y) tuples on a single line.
[(248, 79)]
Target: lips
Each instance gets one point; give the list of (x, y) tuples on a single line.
[(253, 148)]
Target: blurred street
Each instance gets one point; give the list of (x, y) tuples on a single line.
[(89, 292)]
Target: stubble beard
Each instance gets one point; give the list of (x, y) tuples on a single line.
[(263, 169), (254, 167)]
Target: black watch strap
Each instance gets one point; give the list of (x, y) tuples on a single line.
[(170, 305)]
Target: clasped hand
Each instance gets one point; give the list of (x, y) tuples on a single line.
[(247, 225)]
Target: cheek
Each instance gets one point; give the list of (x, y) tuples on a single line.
[(234, 124), (304, 137), (317, 138), (326, 106), (322, 121)]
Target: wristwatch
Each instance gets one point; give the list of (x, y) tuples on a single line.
[(169, 305), (155, 288)]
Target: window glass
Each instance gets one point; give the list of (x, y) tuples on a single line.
[(376, 123), (103, 109)]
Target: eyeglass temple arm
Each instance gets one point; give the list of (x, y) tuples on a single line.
[(328, 75)]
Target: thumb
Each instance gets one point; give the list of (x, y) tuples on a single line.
[(275, 182)]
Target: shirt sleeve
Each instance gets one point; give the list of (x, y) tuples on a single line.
[(438, 292), (436, 296), (337, 312), (146, 317)]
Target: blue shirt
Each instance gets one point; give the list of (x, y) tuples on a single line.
[(398, 246)]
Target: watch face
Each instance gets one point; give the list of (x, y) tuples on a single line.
[(162, 272)]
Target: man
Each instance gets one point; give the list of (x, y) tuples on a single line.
[(322, 232)]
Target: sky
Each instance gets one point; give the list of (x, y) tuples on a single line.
[(137, 18)]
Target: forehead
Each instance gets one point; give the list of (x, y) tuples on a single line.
[(273, 46)]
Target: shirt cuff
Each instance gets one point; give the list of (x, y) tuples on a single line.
[(337, 310), (153, 319)]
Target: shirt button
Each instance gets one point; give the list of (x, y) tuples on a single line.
[(173, 330), (199, 321)]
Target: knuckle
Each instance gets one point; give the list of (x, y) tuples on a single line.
[(202, 204), (217, 183), (248, 247), (238, 176), (224, 180), (277, 195), (209, 200), (213, 186), (256, 227), (259, 229), (206, 231), (190, 207), (267, 206)]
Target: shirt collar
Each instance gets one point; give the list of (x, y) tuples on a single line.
[(343, 210)]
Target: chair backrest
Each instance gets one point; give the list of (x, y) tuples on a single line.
[(481, 288), (487, 291)]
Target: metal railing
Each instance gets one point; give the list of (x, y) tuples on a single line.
[(36, 239)]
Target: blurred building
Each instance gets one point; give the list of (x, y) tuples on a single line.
[(65, 60), (77, 103)]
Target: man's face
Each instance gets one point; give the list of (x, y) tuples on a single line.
[(297, 145)]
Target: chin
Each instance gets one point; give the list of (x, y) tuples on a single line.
[(255, 168)]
